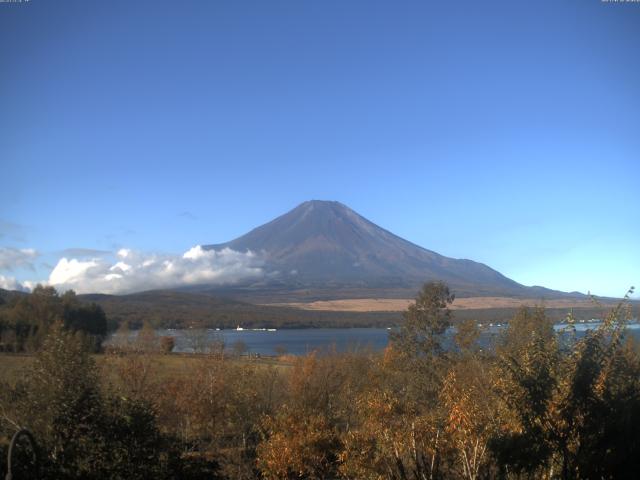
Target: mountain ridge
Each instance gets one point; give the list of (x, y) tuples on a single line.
[(327, 244)]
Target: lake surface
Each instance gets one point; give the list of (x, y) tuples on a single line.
[(302, 341), (293, 341)]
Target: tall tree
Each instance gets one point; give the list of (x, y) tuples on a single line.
[(425, 321)]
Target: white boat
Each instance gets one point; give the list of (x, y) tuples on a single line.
[(271, 330), (239, 328)]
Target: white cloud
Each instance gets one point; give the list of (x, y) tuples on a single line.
[(136, 271), (12, 258), (120, 266), (71, 271), (195, 253), (10, 283)]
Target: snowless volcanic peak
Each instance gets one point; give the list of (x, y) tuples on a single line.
[(326, 242)]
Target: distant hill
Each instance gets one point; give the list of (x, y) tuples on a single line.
[(172, 309), (8, 295), (325, 245), (175, 309)]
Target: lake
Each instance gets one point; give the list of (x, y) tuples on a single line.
[(302, 341)]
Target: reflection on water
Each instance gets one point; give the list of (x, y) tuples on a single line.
[(302, 341)]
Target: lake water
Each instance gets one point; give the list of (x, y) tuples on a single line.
[(293, 341), (302, 341)]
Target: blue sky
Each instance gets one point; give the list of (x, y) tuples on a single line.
[(505, 132)]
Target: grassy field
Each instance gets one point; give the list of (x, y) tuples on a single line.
[(11, 366), (466, 303), (164, 366)]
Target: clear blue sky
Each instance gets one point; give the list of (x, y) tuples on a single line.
[(502, 131)]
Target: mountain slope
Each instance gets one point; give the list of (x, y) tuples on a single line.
[(322, 243)]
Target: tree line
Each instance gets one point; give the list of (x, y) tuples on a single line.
[(25, 320), (539, 405)]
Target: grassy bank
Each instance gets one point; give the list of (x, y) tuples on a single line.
[(165, 367)]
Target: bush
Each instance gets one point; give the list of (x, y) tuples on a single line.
[(167, 344)]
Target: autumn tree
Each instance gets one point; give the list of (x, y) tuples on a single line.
[(467, 336), (299, 446), (470, 417), (88, 318), (167, 344), (239, 348), (567, 411), (425, 321), (146, 340), (390, 440), (303, 436), (85, 431), (399, 430), (32, 315), (64, 408), (29, 318)]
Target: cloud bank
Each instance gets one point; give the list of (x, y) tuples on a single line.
[(10, 283), (135, 271)]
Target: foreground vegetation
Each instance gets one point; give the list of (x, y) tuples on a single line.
[(536, 407)]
